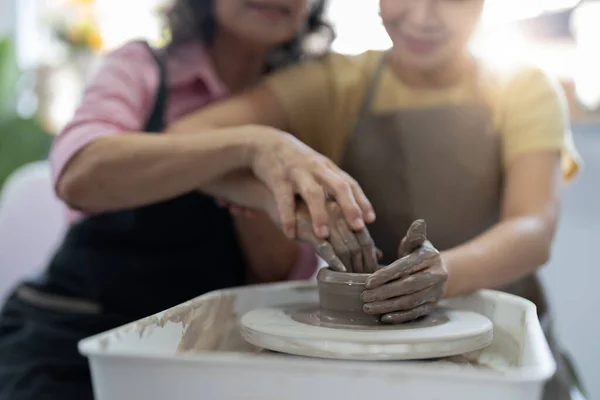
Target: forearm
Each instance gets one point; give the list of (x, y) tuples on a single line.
[(136, 169), (508, 251), (270, 255), (244, 189)]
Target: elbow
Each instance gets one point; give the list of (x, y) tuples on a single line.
[(543, 255), (534, 236), (70, 188), (535, 252), (542, 252), (73, 188), (77, 184)]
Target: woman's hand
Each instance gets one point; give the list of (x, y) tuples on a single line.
[(345, 249), (289, 167), (410, 287)]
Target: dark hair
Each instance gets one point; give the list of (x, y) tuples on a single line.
[(189, 20)]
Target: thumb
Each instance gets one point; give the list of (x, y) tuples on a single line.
[(415, 237)]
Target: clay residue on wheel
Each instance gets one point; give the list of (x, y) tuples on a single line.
[(207, 322), (204, 324)]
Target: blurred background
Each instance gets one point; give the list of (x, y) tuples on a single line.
[(49, 47)]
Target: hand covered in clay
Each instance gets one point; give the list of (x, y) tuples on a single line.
[(410, 287), (344, 250)]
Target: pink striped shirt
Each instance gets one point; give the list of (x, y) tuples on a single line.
[(121, 95)]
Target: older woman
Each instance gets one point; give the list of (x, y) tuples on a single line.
[(143, 238)]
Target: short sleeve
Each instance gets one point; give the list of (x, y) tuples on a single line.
[(119, 98), (536, 118)]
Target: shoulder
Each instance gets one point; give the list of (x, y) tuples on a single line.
[(131, 62), (505, 85), (532, 114), (525, 89), (524, 93), (132, 54), (128, 74)]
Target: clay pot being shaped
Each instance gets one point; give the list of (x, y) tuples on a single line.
[(339, 298)]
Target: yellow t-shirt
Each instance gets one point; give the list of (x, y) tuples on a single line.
[(323, 98)]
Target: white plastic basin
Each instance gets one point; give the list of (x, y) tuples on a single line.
[(151, 359)]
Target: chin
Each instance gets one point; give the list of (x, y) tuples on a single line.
[(424, 62), (268, 37), (418, 61)]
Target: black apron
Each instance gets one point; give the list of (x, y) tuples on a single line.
[(112, 269)]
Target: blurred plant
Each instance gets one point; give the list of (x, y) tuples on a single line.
[(74, 23), (81, 35), (22, 140)]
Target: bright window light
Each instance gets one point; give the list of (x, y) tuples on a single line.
[(124, 20), (358, 26)]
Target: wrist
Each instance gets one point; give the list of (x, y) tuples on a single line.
[(259, 139), (450, 289), (246, 144)]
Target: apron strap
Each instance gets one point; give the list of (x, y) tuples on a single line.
[(372, 88), (156, 122)]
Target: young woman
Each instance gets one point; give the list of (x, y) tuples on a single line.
[(431, 132), (143, 238)]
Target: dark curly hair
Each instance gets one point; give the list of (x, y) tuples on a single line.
[(189, 20)]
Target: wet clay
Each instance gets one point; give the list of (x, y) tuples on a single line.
[(311, 315), (341, 306), (339, 298)]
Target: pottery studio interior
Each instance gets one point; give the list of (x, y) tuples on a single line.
[(474, 120)]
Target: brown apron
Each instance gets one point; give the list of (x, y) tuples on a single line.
[(442, 164)]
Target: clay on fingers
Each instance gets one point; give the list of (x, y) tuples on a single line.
[(326, 252), (306, 234), (401, 287), (403, 303), (342, 239), (355, 248), (407, 316), (370, 253), (424, 258), (415, 237)]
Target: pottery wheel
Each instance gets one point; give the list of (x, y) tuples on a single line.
[(301, 331)]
